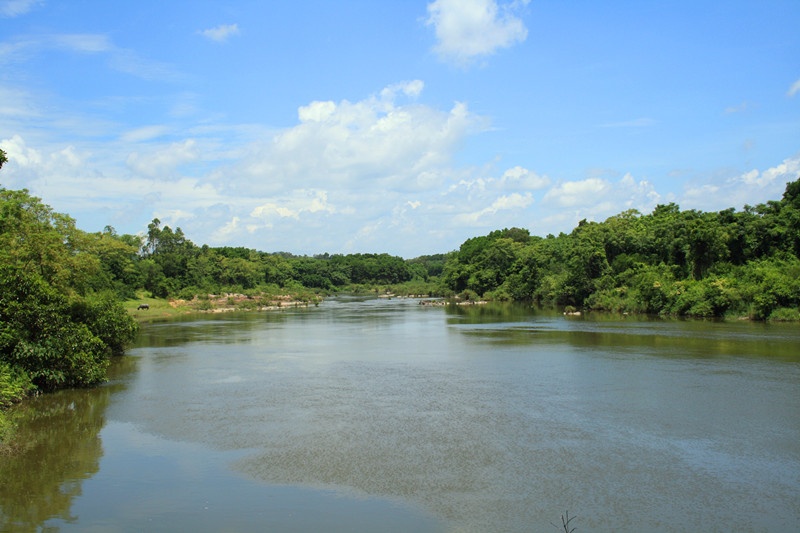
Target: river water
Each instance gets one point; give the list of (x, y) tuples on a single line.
[(385, 415)]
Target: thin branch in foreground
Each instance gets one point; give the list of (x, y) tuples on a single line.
[(565, 522)]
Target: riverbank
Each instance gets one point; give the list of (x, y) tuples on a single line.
[(147, 309)]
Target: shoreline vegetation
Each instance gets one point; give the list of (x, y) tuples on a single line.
[(69, 299), (159, 308)]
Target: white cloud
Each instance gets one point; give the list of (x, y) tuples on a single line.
[(18, 152), (639, 195), (379, 141), (748, 188), (467, 29), (221, 33), (163, 162), (294, 205), (578, 193), (701, 192), (794, 89), (69, 157), (375, 174), (15, 8), (524, 178), (788, 170), (752, 177), (595, 199), (514, 201), (409, 88)]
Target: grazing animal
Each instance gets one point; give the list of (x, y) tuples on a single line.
[(143, 306)]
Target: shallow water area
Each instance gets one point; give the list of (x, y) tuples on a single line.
[(384, 415)]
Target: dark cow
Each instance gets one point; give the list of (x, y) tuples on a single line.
[(143, 306)]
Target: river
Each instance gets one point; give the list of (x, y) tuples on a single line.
[(387, 415)]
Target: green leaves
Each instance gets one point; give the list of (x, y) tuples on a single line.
[(49, 337), (56, 330), (668, 262)]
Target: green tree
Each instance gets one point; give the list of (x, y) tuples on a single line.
[(54, 326), (39, 335), (171, 252)]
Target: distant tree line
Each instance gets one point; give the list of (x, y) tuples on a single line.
[(168, 265), (669, 262)]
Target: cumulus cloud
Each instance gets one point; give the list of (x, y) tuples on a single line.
[(294, 205), (221, 33), (383, 162), (578, 193), (747, 188), (513, 201), (788, 170), (524, 178), (19, 153), (381, 140), (596, 199), (468, 29), (80, 184)]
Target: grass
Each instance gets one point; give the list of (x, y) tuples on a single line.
[(160, 308)]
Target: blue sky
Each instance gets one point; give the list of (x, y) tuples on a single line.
[(397, 126)]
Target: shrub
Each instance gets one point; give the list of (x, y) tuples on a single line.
[(15, 384), (784, 314), (57, 342)]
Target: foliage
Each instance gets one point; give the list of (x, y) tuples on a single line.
[(41, 334), (170, 265), (59, 315), (671, 262), (15, 385)]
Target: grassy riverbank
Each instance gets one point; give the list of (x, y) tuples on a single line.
[(161, 308)]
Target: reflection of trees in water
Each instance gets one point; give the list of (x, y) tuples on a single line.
[(491, 312), (60, 441)]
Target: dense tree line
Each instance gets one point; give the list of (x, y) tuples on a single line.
[(672, 262), (167, 264)]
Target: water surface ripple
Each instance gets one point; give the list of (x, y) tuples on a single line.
[(495, 419)]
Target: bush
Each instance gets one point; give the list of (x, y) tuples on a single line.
[(58, 343), (71, 357), (785, 314), (107, 319), (14, 385)]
